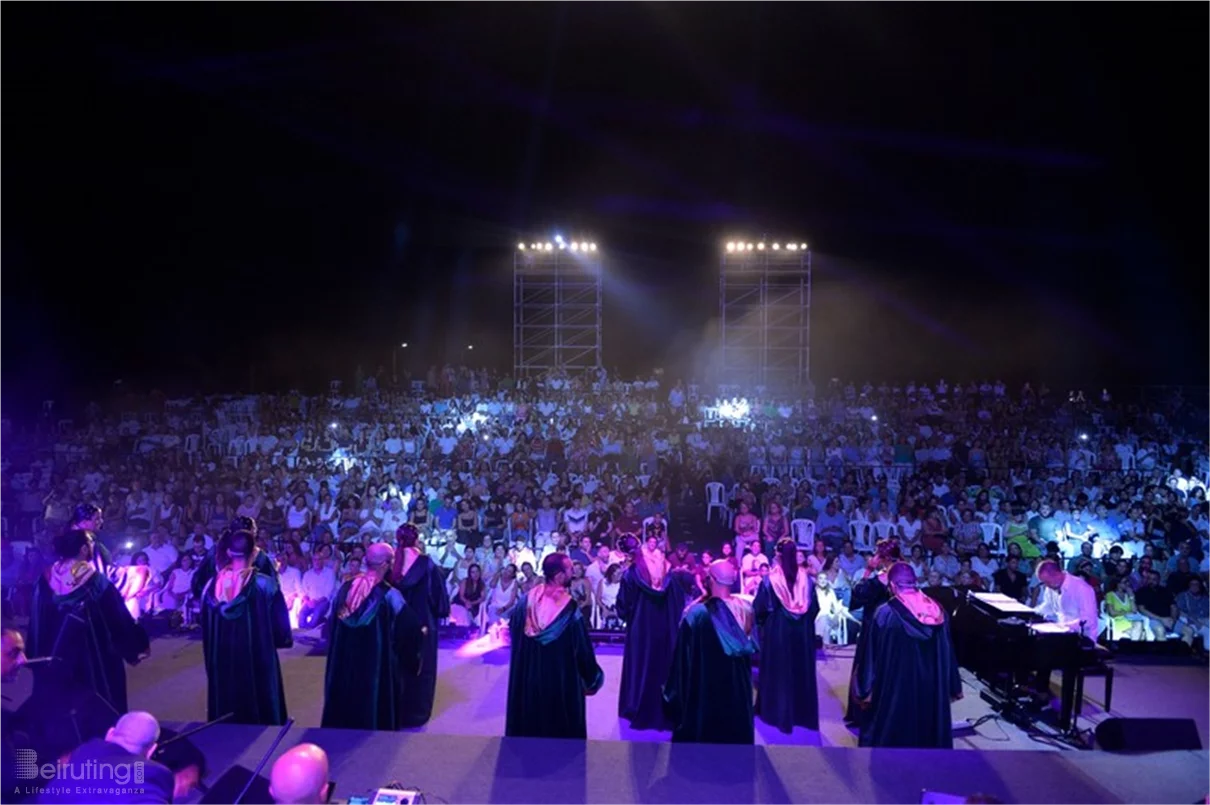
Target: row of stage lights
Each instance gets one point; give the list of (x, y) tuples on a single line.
[(736, 246), (560, 244)]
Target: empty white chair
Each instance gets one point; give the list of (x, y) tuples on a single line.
[(715, 499), (848, 502), (883, 530), (993, 535), (862, 535), (193, 444), (803, 534)]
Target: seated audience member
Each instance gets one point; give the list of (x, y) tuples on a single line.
[(831, 527), (300, 776), (1194, 608), (946, 564), (318, 587), (1010, 581), (1123, 612), (1158, 605)]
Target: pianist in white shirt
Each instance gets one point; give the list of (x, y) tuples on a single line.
[(1068, 600)]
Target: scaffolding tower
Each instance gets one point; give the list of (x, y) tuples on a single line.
[(556, 308), (765, 316)]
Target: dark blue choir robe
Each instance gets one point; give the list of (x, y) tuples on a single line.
[(868, 595), (91, 633), (373, 655), (423, 589), (240, 639), (786, 693), (910, 674), (550, 673), (708, 695), (652, 615), (207, 568)]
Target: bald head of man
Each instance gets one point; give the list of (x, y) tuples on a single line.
[(300, 776), (137, 732)]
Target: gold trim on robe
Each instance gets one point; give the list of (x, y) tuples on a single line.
[(796, 601)]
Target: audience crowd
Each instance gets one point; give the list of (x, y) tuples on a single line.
[(976, 482)]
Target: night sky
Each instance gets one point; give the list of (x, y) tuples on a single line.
[(208, 197)]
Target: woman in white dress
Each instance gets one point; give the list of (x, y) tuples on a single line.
[(503, 595)]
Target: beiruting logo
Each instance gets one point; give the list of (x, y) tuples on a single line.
[(26, 767)]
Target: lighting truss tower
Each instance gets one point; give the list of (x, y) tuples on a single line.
[(765, 315), (556, 307)]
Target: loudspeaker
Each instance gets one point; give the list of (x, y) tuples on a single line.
[(1148, 735)]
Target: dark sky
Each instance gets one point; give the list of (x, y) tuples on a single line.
[(213, 195)]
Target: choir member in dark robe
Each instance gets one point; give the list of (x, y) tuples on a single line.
[(244, 623), (88, 518), (786, 692), (417, 577), (373, 649), (79, 618), (552, 666), (708, 694), (207, 567), (868, 595), (650, 601), (908, 676)]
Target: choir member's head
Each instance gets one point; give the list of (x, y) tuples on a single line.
[(87, 517), (901, 578), (1050, 574), (888, 552), (379, 558), (74, 544), (235, 547), (300, 776), (787, 552), (407, 536), (12, 653), (722, 578), (556, 569)]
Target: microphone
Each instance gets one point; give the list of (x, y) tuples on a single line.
[(37, 660)]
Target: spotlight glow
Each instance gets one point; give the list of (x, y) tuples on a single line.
[(776, 246), (575, 247), (733, 409), (521, 246), (802, 246), (792, 247), (592, 247), (550, 247), (760, 247), (748, 246), (730, 247)]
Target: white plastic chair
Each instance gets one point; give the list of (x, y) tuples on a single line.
[(715, 499), (883, 529), (860, 532), (803, 534), (993, 535), (193, 444), (848, 503)]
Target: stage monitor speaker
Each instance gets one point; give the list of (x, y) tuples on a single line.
[(1148, 735), (227, 787)]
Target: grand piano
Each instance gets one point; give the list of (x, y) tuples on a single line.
[(1004, 642)]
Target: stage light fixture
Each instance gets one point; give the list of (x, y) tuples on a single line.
[(559, 239), (550, 247), (562, 246), (776, 246), (575, 247), (749, 247), (592, 247), (521, 246), (792, 247), (730, 247), (760, 247), (802, 246)]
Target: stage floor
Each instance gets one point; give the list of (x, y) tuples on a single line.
[(471, 696), (465, 769)]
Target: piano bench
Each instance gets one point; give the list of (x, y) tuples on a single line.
[(1101, 668)]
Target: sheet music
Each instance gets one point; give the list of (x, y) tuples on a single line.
[(1002, 602), (1049, 628)]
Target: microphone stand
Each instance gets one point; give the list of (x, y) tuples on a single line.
[(264, 760), (194, 731)]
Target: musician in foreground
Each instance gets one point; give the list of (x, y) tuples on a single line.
[(908, 675)]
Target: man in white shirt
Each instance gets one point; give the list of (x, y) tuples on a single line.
[(1068, 600), (161, 555), (318, 587)]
